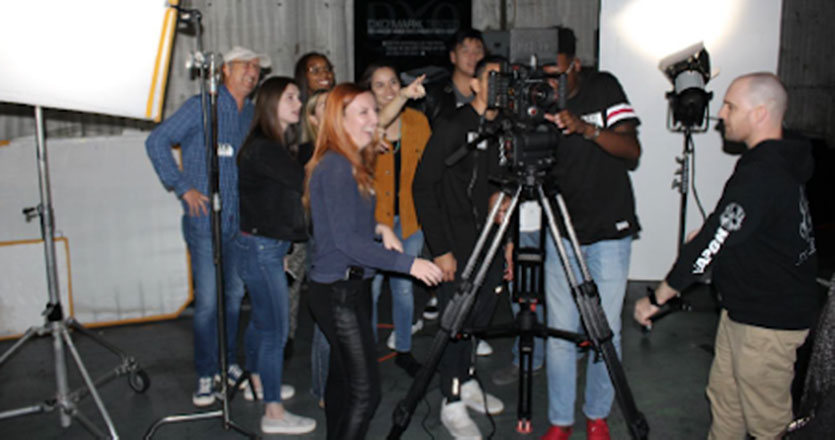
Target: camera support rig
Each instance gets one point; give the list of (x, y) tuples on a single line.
[(526, 183)]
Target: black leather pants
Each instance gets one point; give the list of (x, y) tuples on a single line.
[(342, 310)]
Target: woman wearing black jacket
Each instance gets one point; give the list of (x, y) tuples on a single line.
[(270, 185)]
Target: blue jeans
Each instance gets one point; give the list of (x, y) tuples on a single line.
[(529, 239), (262, 269), (205, 296), (402, 300), (608, 263)]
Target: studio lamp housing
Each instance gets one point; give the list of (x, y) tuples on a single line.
[(689, 72)]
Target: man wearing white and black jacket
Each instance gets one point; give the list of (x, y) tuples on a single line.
[(760, 245)]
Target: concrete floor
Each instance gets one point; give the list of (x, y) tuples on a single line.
[(666, 369)]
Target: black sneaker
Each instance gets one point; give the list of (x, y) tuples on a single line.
[(406, 361), (430, 312)]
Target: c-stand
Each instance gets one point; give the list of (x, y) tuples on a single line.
[(211, 62), (526, 183)]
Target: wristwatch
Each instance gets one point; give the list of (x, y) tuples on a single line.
[(594, 133)]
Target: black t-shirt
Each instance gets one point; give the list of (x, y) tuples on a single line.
[(451, 201), (594, 183)]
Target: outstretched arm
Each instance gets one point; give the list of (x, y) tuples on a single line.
[(414, 90)]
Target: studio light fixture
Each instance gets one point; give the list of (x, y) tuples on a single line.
[(689, 72)]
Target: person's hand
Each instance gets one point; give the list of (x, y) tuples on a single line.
[(644, 310), (198, 204), (415, 89), (502, 209), (569, 123), (508, 262), (448, 265), (390, 240), (426, 271)]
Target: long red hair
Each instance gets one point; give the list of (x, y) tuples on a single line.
[(333, 137)]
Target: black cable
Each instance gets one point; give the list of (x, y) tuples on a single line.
[(693, 180), (426, 417)]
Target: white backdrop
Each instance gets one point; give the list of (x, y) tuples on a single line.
[(23, 288), (741, 36), (127, 254)]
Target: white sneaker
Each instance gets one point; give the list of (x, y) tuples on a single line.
[(391, 342), (483, 348), (457, 421), (287, 392), (473, 397), (289, 424), (205, 394)]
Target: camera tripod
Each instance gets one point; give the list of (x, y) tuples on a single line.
[(528, 184)]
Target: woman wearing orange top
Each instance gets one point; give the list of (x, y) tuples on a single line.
[(406, 132)]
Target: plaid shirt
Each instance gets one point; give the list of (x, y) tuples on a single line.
[(185, 128)]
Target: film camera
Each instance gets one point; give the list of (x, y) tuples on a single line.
[(523, 94)]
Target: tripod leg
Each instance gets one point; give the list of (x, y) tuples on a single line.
[(60, 371), (86, 376), (33, 331), (593, 317), (454, 315)]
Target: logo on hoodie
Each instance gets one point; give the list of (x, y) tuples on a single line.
[(732, 217), (730, 220)]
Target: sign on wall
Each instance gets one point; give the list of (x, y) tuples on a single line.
[(407, 33)]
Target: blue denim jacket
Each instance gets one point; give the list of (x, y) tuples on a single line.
[(185, 128)]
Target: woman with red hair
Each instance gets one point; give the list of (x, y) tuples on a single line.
[(340, 196)]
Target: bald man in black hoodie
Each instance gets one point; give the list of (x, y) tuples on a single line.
[(759, 242)]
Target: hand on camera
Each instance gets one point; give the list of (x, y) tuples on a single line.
[(569, 123)]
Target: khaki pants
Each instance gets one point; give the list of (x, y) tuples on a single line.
[(750, 380)]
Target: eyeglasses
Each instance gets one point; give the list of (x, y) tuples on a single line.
[(316, 70)]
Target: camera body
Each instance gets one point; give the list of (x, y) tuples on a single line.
[(523, 94)]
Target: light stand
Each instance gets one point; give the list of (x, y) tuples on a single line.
[(56, 325), (212, 62), (682, 183)]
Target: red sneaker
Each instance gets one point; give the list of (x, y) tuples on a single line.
[(557, 433), (597, 429)]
